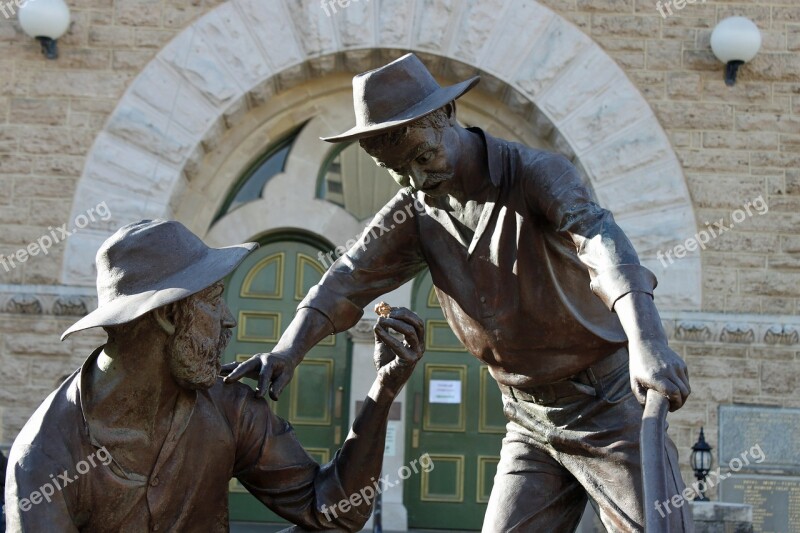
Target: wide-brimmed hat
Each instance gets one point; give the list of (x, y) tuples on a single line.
[(152, 263), (397, 94)]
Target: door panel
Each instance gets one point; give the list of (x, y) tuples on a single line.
[(263, 294), (457, 418)]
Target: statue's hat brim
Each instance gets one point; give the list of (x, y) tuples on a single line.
[(395, 95), (149, 264)]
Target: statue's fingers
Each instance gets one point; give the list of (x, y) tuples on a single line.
[(683, 375), (400, 349), (681, 396), (407, 330), (639, 392), (265, 378), (668, 388), (279, 383), (243, 369), (375, 329), (227, 368), (409, 316)]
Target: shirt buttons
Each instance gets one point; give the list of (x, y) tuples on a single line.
[(154, 483)]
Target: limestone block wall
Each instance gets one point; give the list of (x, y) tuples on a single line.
[(735, 145)]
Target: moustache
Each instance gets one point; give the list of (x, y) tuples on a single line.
[(224, 339), (433, 180)]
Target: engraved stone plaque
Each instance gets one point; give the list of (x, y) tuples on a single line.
[(775, 500), (775, 430)]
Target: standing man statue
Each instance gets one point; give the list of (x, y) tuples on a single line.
[(145, 436), (535, 279)]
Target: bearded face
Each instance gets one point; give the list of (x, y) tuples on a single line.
[(195, 349)]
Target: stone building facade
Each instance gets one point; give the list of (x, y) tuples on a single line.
[(157, 108)]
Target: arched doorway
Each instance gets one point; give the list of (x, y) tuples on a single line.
[(263, 294)]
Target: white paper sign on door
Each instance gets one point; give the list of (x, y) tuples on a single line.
[(390, 449), (444, 391)]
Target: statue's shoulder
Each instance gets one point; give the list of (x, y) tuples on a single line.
[(540, 166), (229, 393), (55, 427), (518, 160), (234, 398)]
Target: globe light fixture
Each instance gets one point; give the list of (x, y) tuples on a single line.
[(46, 21), (735, 41), (701, 464)]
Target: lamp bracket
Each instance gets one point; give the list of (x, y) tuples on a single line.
[(730, 72), (49, 47)]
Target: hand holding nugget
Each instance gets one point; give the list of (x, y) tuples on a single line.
[(395, 359)]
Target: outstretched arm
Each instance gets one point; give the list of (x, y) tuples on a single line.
[(339, 495), (395, 361)]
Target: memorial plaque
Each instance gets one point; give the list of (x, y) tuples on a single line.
[(774, 430), (775, 500)]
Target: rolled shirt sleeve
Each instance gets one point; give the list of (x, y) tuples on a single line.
[(387, 255), (554, 189), (615, 282)]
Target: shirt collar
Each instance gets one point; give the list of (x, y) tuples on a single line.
[(182, 413), (83, 389), (494, 155)]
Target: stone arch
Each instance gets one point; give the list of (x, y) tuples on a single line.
[(244, 52)]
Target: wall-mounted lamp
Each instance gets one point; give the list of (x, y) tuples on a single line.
[(701, 464), (735, 41), (47, 21)]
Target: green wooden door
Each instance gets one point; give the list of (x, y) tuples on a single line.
[(456, 416), (263, 294)]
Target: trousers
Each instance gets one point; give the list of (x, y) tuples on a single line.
[(574, 441)]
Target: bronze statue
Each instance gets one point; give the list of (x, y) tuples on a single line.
[(534, 278), (145, 436)]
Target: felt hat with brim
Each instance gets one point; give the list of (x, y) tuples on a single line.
[(151, 263), (395, 95)]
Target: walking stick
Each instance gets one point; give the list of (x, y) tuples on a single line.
[(377, 518), (654, 460)]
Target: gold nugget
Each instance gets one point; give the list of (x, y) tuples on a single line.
[(383, 309)]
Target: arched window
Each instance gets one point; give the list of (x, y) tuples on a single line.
[(251, 185), (350, 179)]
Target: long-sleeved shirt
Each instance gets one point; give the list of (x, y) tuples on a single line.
[(215, 434), (532, 294)]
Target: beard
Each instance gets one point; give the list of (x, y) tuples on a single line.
[(194, 360)]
